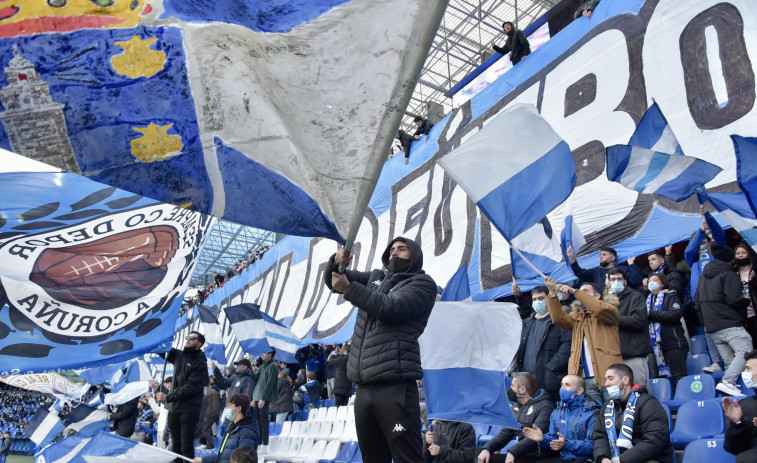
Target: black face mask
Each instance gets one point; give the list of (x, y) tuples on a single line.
[(512, 396), (398, 265), (740, 262), (604, 264)]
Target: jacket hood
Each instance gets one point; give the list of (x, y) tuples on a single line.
[(715, 268), (416, 255), (244, 421), (540, 395)]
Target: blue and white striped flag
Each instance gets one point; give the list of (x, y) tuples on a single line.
[(135, 382), (746, 168), (571, 235), (65, 450), (737, 211), (468, 382), (516, 169), (105, 448), (258, 332), (653, 163), (86, 420), (43, 427), (214, 346)]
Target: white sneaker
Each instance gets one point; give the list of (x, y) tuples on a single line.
[(728, 388), (714, 368)]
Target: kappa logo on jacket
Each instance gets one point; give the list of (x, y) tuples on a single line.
[(398, 428)]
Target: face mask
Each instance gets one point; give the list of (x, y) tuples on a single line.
[(748, 382), (512, 396), (617, 287), (615, 392), (604, 264), (539, 307), (228, 414), (398, 265), (653, 286), (566, 395), (744, 261), (560, 297)]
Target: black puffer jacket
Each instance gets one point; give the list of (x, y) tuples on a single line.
[(456, 441), (718, 299), (284, 402), (342, 384), (393, 309), (669, 318), (633, 324), (189, 379), (537, 412), (553, 354), (742, 437), (651, 432)]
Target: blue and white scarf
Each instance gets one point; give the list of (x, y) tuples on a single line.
[(654, 334), (626, 428)]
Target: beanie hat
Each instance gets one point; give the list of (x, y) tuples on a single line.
[(723, 253)]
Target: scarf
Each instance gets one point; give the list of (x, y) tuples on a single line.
[(654, 334), (626, 428), (661, 268)]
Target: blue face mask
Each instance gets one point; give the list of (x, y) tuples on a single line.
[(566, 395), (617, 287), (653, 286), (539, 307)]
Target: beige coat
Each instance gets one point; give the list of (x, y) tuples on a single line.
[(599, 324)]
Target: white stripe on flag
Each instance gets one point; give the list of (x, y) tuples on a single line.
[(476, 157), (45, 428), (140, 452), (128, 392), (74, 451), (668, 143), (252, 329)]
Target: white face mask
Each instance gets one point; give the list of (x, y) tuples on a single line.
[(228, 414), (746, 376)]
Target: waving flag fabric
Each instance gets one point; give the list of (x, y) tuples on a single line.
[(135, 382), (746, 168), (91, 275), (737, 211), (86, 420), (214, 346), (222, 107), (466, 382), (43, 427), (516, 169), (105, 448), (65, 450), (571, 235), (654, 133), (257, 332)]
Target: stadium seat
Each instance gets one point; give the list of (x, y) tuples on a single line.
[(341, 412), (480, 430), (314, 429), (314, 453), (276, 429), (698, 419), (670, 417), (331, 451), (329, 403), (699, 345), (695, 363), (320, 414), (293, 447), (325, 431), (358, 458), (331, 414), (351, 412), (296, 415), (661, 389), (307, 445), (286, 429), (276, 446), (346, 454), (693, 387), (707, 451), (483, 440), (350, 432), (337, 430)]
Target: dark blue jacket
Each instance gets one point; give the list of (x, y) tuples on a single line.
[(244, 432), (573, 419)]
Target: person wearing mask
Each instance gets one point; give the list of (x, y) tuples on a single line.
[(744, 264), (634, 426), (741, 434), (544, 347), (571, 425), (530, 407), (393, 308), (449, 442), (189, 380), (607, 261), (657, 265), (242, 431), (666, 333)]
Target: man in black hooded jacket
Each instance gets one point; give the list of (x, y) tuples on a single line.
[(384, 360), (189, 380)]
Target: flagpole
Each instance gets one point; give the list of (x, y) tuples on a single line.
[(526, 260), (433, 12), (167, 452)]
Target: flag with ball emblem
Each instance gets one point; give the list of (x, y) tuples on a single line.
[(89, 274)]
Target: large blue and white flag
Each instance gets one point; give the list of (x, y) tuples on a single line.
[(43, 427), (653, 163), (65, 450), (106, 374), (737, 211), (258, 332), (65, 387), (91, 275), (86, 420), (467, 381), (214, 346), (516, 169), (746, 167), (133, 383), (571, 235), (105, 448), (651, 172), (171, 75)]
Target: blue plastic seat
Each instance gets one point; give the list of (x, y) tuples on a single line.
[(480, 430), (670, 417), (699, 345), (661, 389), (707, 451), (483, 440), (695, 363), (697, 419), (346, 454), (694, 387), (358, 458)]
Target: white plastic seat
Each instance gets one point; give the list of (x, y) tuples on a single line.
[(296, 427), (350, 432), (314, 454), (320, 413), (337, 430), (341, 413), (351, 412), (286, 429), (302, 452), (325, 430), (313, 429), (292, 448), (331, 414), (330, 452)]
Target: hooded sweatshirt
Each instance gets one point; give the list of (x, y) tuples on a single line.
[(393, 309), (718, 299)]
